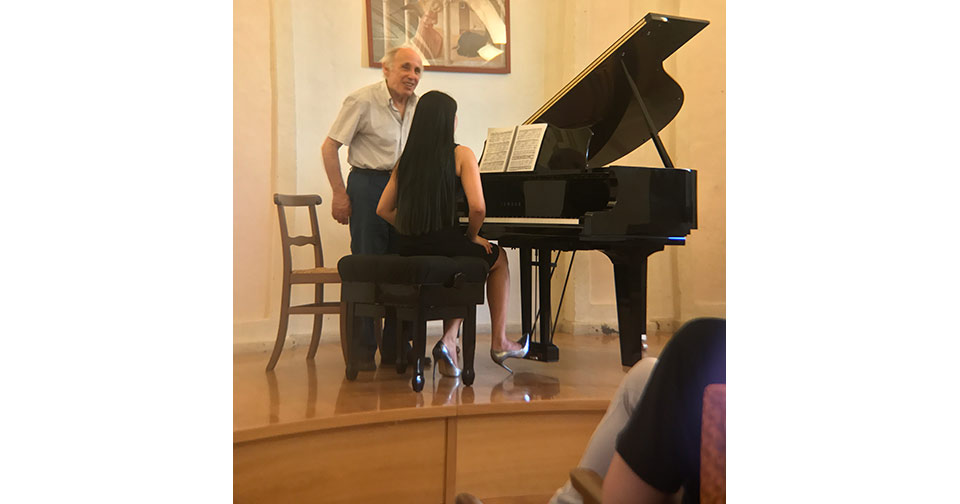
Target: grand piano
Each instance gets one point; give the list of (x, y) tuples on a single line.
[(573, 200)]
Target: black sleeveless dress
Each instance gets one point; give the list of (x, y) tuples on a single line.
[(449, 241)]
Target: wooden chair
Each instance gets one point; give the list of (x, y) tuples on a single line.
[(318, 275)]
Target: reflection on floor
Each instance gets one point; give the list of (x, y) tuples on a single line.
[(300, 389), (304, 433)]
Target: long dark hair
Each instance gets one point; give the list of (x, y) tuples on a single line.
[(426, 172)]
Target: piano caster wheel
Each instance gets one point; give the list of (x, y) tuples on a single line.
[(352, 371), (417, 382), (468, 375)]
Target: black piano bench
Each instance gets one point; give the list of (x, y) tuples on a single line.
[(412, 289)]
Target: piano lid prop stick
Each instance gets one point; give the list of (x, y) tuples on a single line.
[(646, 115)]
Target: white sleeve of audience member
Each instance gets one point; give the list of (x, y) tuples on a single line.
[(602, 445)]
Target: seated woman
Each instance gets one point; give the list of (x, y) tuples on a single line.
[(420, 201)]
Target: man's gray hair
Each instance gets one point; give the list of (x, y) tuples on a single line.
[(387, 59)]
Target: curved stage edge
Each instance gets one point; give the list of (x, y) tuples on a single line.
[(304, 433)]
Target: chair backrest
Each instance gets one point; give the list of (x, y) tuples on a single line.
[(299, 200), (588, 484), (713, 445)]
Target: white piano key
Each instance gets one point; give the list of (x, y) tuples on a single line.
[(531, 221)]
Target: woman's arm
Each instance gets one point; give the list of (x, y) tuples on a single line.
[(472, 188), (387, 207), (622, 485)]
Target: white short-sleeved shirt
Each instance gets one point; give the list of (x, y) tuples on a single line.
[(371, 126)]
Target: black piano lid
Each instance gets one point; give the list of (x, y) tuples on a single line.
[(600, 97)]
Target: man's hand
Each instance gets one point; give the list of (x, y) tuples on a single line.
[(341, 207)]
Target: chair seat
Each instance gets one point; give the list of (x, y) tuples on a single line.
[(316, 308), (315, 275), (422, 270)]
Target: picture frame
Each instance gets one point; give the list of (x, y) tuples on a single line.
[(449, 35)]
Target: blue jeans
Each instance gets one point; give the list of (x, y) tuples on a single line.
[(369, 234)]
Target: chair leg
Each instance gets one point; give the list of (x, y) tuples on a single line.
[(469, 344), (282, 330), (401, 356), (317, 324), (343, 330), (385, 355), (351, 367), (315, 339), (419, 350), (274, 392), (311, 388)]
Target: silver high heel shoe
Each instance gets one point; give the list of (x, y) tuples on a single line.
[(503, 355), (441, 356)]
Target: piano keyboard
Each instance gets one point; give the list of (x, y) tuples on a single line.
[(527, 221)]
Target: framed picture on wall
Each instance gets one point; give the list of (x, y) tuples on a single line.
[(450, 35)]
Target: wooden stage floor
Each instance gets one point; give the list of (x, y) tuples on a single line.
[(309, 399), (315, 392)]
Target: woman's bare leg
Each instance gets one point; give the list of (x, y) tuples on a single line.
[(450, 327), (498, 293)]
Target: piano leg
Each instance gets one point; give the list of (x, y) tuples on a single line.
[(630, 276), (525, 295), (544, 350)]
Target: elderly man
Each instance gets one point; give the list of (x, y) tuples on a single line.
[(373, 122)]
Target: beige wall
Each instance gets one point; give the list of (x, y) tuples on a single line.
[(683, 282), (295, 60), (702, 73), (253, 165)]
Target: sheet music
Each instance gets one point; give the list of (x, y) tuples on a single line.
[(497, 149), (526, 147)]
